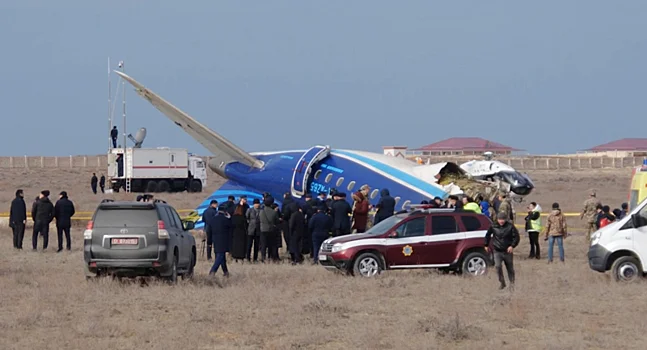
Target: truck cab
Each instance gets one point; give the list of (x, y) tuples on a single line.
[(621, 247)]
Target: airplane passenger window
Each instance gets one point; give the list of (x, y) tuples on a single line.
[(351, 185), (328, 178), (405, 204), (340, 181), (317, 174), (397, 200), (374, 193)]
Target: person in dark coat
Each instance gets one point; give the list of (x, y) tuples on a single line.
[(276, 235), (18, 218), (297, 226), (93, 183), (206, 215), (289, 207), (385, 206), (309, 209), (253, 229), (340, 214), (239, 239), (361, 209), (42, 214), (323, 200), (230, 205), (63, 212), (102, 183), (220, 230), (114, 133), (320, 225)]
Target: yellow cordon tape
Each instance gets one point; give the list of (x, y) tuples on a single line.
[(87, 215)]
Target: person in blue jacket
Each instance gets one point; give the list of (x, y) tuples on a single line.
[(220, 230)]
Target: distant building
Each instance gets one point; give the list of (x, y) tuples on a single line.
[(395, 151), (629, 147), (462, 146)]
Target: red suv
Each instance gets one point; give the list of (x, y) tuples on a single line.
[(447, 239)]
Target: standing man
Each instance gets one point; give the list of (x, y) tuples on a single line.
[(340, 210), (18, 218), (269, 219), (505, 206), (505, 238), (114, 133), (556, 230), (533, 227), (102, 183), (207, 214), (93, 183), (253, 229), (297, 227), (42, 214), (589, 212), (63, 212), (320, 225), (385, 206), (220, 230)]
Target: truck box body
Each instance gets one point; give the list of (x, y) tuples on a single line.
[(151, 163)]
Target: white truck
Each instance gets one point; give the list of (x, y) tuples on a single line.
[(152, 170)]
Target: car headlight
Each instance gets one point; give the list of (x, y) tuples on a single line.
[(595, 237), (336, 248)]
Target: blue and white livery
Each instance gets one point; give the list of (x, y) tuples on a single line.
[(313, 170)]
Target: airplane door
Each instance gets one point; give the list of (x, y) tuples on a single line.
[(304, 167)]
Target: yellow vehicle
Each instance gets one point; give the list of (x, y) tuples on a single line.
[(638, 187)]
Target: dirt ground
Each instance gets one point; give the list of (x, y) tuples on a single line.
[(47, 304)]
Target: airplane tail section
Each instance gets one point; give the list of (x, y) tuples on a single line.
[(223, 150), (229, 188)]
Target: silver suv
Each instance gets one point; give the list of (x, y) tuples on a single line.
[(130, 239)]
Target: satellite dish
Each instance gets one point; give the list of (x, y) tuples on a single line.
[(139, 137)]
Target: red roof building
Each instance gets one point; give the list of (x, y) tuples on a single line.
[(464, 146), (635, 144)]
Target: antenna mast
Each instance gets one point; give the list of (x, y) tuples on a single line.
[(123, 86), (109, 106)]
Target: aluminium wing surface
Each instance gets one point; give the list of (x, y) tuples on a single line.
[(223, 150)]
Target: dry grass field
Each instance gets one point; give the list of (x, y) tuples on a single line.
[(47, 304)]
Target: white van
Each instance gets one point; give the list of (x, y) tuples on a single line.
[(622, 246)]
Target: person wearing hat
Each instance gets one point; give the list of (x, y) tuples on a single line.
[(320, 225), (206, 217), (589, 213), (340, 210), (361, 207), (556, 231), (297, 226), (42, 214), (253, 229), (504, 237), (63, 212)]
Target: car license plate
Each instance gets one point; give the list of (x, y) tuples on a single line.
[(323, 257), (125, 241)]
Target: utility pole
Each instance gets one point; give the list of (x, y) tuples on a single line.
[(123, 86)]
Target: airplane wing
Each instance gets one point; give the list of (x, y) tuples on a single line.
[(223, 150)]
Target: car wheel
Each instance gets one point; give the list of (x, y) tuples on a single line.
[(189, 273), (151, 186), (196, 186), (173, 277), (367, 265), (163, 186), (625, 269), (474, 264)]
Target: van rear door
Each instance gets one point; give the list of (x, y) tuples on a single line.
[(125, 232)]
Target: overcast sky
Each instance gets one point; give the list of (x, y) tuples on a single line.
[(544, 76)]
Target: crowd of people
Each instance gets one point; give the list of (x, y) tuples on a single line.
[(43, 212), (253, 232)]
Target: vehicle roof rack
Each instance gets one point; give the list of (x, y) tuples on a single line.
[(159, 201), (107, 200)]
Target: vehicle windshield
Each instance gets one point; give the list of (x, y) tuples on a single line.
[(126, 217), (385, 225)]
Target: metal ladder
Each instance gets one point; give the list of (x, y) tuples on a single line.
[(129, 163)]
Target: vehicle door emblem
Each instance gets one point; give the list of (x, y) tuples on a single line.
[(123, 230), (407, 250)]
